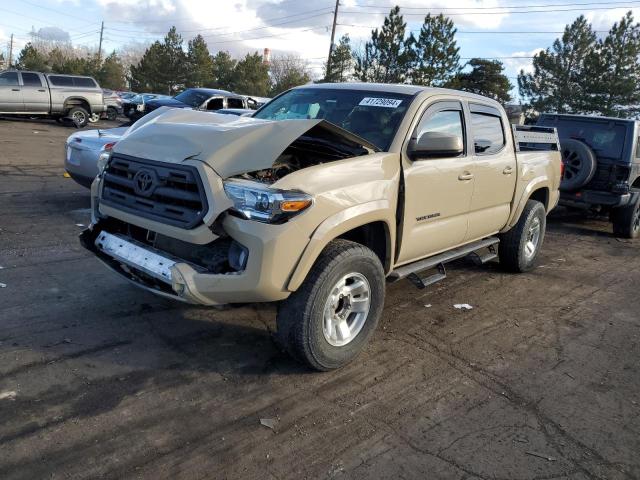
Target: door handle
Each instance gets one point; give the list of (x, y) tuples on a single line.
[(507, 171), (465, 176), (15, 89), (41, 90)]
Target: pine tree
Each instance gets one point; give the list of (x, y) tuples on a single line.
[(146, 76), (111, 74), (223, 68), (30, 58), (435, 55), (557, 83), (174, 73), (200, 63), (340, 66), (613, 72), (387, 56), (251, 76), (485, 78)]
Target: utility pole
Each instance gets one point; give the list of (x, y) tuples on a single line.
[(100, 45), (11, 51), (333, 35)]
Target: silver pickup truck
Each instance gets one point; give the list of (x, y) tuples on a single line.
[(50, 95)]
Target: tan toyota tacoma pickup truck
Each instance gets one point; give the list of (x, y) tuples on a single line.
[(328, 192)]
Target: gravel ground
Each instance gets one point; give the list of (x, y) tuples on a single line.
[(99, 379)]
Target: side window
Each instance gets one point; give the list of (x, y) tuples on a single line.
[(83, 82), (61, 81), (443, 121), (638, 147), (31, 79), (214, 104), (235, 103), (488, 134), (9, 78)]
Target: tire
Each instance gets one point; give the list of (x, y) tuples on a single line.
[(112, 114), (519, 247), (579, 164), (308, 320), (79, 116), (626, 220)]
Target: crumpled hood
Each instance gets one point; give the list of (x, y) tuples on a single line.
[(229, 144)]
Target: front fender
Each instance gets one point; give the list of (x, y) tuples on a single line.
[(340, 223)]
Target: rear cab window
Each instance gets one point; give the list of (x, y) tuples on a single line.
[(606, 137), (235, 103), (487, 130), (67, 81)]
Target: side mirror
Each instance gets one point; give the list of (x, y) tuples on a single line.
[(435, 144)]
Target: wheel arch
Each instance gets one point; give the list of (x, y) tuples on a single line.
[(371, 224), (71, 102), (536, 190)]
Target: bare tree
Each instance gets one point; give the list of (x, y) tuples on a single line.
[(288, 71)]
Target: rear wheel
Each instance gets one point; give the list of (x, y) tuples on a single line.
[(519, 247), (79, 116), (626, 220), (112, 113), (330, 318)]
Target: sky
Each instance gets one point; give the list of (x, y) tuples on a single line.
[(508, 30)]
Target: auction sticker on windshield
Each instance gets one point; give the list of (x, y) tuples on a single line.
[(380, 102)]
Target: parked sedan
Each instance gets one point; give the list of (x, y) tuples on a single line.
[(135, 107), (200, 99), (82, 150)]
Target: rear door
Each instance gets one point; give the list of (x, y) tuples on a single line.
[(10, 93), (35, 94), (437, 191), (494, 171)]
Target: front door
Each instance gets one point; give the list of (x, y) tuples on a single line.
[(34, 94), (437, 191), (494, 170), (10, 93)]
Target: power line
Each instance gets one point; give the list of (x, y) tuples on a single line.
[(475, 32), (506, 12), (500, 7), (56, 11), (199, 30)]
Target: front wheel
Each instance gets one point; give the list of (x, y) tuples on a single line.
[(519, 247), (328, 320)]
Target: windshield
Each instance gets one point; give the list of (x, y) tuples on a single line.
[(193, 98), (605, 137), (374, 116)]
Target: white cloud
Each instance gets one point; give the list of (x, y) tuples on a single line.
[(514, 65), (604, 19)]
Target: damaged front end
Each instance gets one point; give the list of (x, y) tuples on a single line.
[(173, 200)]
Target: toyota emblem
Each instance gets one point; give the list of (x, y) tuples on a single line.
[(144, 183)]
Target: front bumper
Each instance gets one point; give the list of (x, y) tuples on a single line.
[(269, 266), (586, 198)]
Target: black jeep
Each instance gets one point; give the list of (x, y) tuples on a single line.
[(601, 157)]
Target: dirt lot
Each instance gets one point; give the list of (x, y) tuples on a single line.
[(99, 379)]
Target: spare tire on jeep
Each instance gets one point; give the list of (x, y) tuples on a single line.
[(579, 164)]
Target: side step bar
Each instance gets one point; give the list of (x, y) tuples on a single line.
[(410, 271)]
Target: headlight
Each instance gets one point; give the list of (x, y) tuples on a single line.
[(255, 201)]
